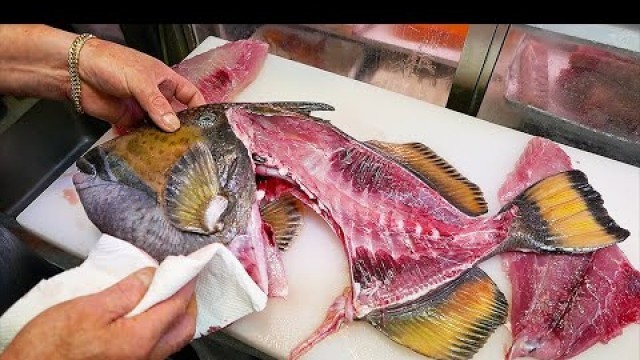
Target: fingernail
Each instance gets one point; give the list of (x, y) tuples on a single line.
[(170, 121), (146, 275)]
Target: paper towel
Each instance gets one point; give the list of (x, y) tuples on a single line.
[(224, 291)]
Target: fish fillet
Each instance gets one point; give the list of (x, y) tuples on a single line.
[(563, 304)]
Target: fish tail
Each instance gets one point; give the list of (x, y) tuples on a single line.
[(562, 213)]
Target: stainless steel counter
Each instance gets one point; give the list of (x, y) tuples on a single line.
[(569, 87)]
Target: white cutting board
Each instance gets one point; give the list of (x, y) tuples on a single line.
[(316, 265)]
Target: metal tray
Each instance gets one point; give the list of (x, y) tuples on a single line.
[(550, 125)]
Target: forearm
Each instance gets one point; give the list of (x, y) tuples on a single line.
[(33, 61)]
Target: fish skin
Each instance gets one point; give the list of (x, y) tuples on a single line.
[(121, 181)]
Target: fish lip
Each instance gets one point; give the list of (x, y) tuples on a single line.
[(81, 180), (86, 167)]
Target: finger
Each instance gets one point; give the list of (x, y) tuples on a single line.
[(179, 335), (156, 105), (119, 112), (157, 320), (187, 93), (119, 299), (175, 339)]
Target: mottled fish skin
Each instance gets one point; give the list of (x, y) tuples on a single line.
[(122, 182)]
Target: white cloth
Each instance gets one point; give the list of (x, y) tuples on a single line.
[(224, 291)]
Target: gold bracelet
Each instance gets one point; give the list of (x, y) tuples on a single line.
[(74, 57)]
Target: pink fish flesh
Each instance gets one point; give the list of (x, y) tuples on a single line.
[(399, 250), (223, 72), (528, 79), (403, 239), (563, 304)]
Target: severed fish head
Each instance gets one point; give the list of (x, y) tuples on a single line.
[(171, 193)]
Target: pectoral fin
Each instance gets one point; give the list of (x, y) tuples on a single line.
[(452, 323), (193, 201), (438, 173), (284, 215)]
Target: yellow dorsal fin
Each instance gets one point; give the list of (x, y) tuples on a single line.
[(284, 215), (450, 323), (438, 173)]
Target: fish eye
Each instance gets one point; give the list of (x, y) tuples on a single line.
[(206, 119)]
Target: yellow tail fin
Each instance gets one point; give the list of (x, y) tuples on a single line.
[(563, 213)]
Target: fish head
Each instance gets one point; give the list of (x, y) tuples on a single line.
[(170, 193)]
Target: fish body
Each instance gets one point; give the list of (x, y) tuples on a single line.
[(413, 233), (410, 227)]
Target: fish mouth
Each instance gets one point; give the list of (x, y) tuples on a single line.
[(86, 174), (94, 164), (83, 181), (93, 169), (93, 161), (86, 167)]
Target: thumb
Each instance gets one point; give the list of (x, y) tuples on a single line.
[(119, 299), (156, 104)]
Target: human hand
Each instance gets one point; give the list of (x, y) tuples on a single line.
[(120, 84), (94, 326)]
